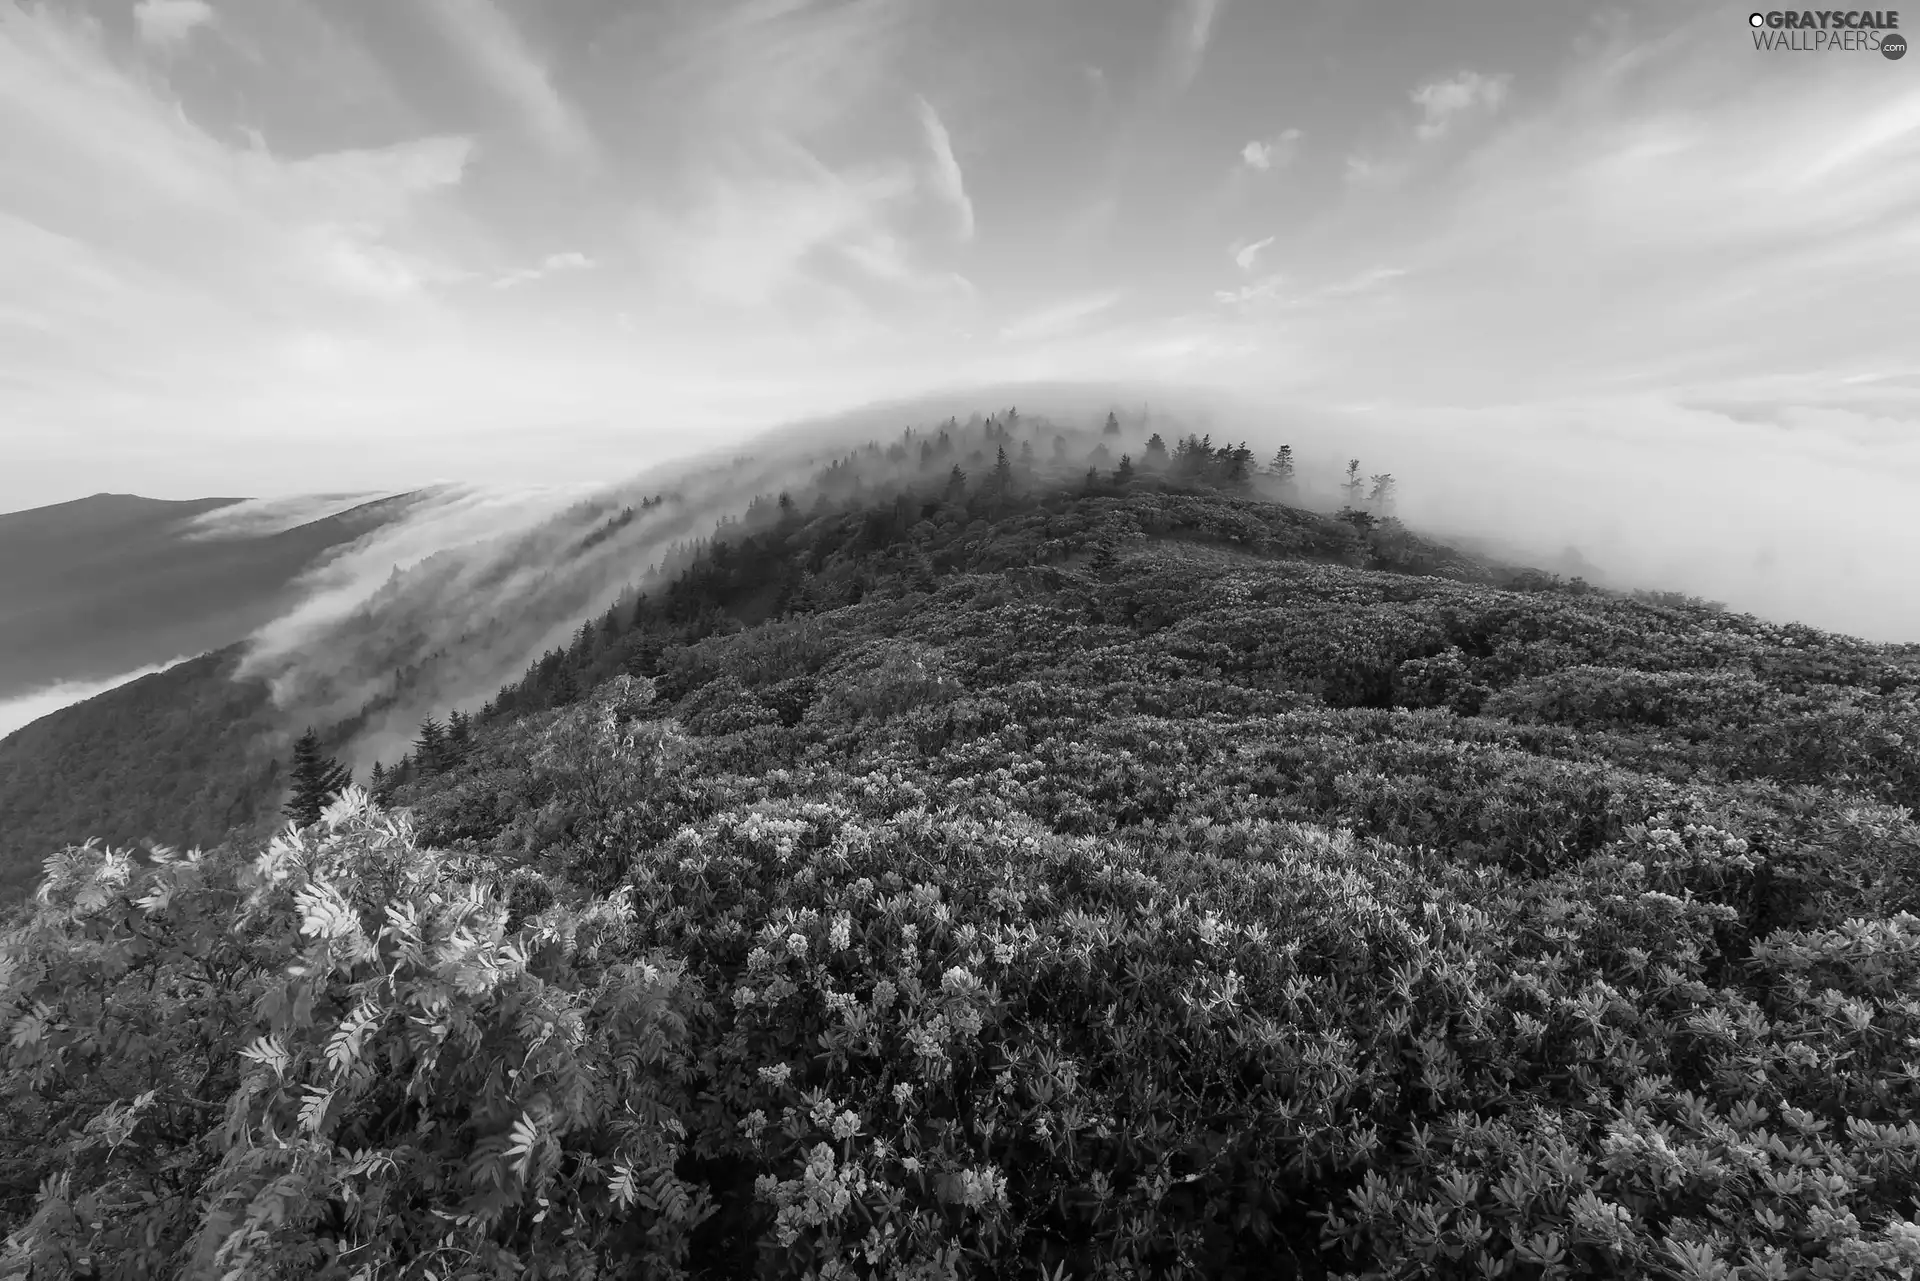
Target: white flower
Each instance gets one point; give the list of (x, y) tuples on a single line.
[(840, 936), (777, 1074), (796, 945), (903, 1094)]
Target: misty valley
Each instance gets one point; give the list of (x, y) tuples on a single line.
[(1038, 846)]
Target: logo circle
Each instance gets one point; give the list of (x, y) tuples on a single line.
[(1757, 20), (1893, 46)]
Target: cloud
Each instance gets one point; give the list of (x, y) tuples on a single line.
[(551, 265), (775, 234), (166, 24), (1265, 293), (259, 517), (1059, 318), (24, 709), (1244, 255), (1275, 153), (791, 68), (1190, 25), (948, 181), (1443, 102), (501, 58), (1262, 290), (1368, 171)]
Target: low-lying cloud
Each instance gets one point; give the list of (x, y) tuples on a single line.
[(24, 709)]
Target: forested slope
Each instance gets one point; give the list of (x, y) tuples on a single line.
[(180, 757), (1116, 879)]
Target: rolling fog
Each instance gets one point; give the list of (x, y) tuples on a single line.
[(1792, 520)]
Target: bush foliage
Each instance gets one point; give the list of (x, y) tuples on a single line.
[(1200, 907)]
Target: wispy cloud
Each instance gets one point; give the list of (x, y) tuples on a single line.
[(1060, 318), (502, 59), (1262, 290), (780, 232), (166, 24), (258, 517), (24, 709), (1244, 255), (795, 68), (1273, 153), (551, 265), (1372, 171), (1190, 27), (948, 182), (1446, 101)]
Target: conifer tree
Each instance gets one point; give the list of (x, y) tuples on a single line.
[(430, 747), (1113, 424), (1156, 452), (566, 687), (317, 779), (1124, 472), (1354, 484), (1002, 472), (1381, 499), (459, 736), (1281, 468), (956, 484)]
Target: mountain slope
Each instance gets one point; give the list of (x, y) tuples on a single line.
[(108, 584), (1120, 879), (179, 757)]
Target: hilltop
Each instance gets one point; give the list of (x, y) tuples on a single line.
[(1117, 871)]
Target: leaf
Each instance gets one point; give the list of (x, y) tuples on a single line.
[(521, 1141), (269, 1052)]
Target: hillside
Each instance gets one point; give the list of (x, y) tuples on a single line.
[(179, 757), (1006, 877), (105, 585)]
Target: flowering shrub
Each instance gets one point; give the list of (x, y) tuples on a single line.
[(1197, 915)]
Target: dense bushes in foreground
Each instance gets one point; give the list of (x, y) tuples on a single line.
[(834, 1029), (1185, 913)]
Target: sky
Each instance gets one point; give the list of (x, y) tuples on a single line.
[(269, 247)]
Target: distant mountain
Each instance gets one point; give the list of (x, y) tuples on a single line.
[(105, 585)]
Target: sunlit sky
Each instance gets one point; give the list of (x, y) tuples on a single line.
[(265, 246)]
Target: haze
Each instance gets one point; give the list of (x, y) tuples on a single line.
[(1609, 278)]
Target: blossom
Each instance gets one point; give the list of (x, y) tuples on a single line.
[(777, 1074)]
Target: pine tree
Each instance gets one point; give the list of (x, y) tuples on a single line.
[(459, 736), (956, 484), (1124, 472), (1381, 499), (1002, 472), (317, 779), (430, 747), (1156, 453), (1354, 484), (1281, 468), (1113, 424), (1026, 454)]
